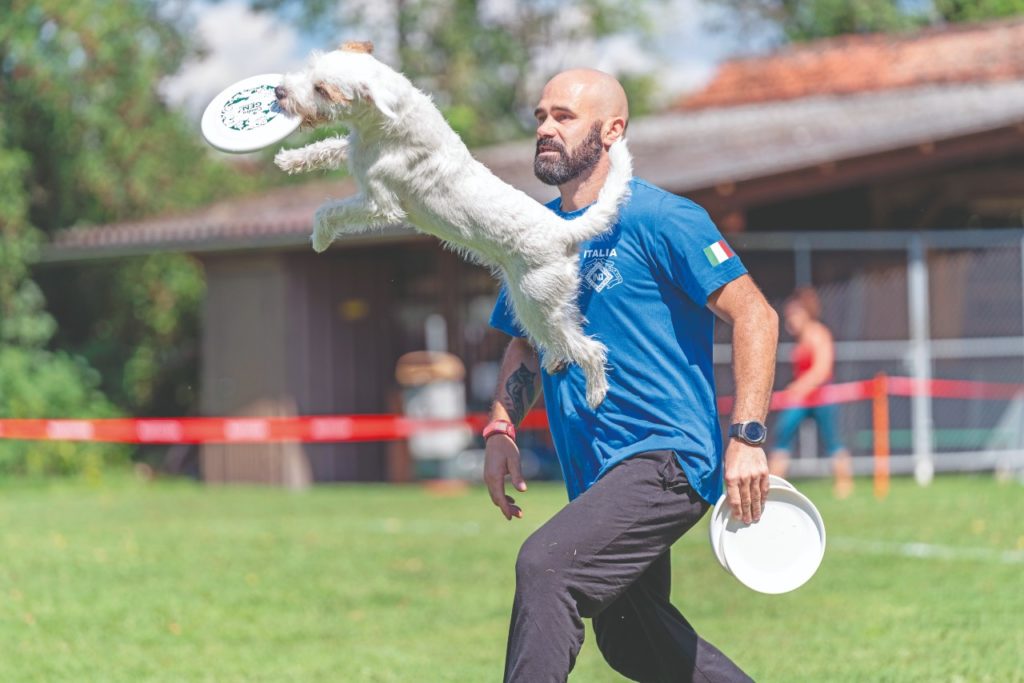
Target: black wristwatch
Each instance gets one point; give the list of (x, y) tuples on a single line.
[(753, 432)]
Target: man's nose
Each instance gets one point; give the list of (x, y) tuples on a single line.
[(544, 135), (280, 92)]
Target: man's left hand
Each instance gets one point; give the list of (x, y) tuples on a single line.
[(746, 480)]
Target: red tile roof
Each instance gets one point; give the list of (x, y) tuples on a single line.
[(283, 212), (985, 52)]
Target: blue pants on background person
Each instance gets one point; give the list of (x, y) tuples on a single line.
[(826, 416)]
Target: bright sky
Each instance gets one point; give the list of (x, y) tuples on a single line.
[(242, 43)]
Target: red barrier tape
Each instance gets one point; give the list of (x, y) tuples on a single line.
[(846, 392), (327, 428), (954, 388), (357, 428)]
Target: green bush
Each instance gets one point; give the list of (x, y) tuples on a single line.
[(37, 383)]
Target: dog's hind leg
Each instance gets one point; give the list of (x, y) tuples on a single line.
[(326, 155), (586, 352), (354, 214), (592, 362)]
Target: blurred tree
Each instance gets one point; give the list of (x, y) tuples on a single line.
[(975, 10), (141, 327), (86, 138), (34, 381), (802, 20), (476, 56)]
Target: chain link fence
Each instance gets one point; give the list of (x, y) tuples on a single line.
[(925, 305)]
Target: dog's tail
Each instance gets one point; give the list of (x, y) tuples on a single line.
[(600, 216)]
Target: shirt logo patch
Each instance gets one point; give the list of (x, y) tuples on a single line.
[(601, 275)]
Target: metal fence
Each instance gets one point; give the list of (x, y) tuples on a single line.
[(942, 304)]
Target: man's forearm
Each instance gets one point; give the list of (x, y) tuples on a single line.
[(518, 382), (755, 339)]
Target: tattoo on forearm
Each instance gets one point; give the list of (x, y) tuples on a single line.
[(519, 393)]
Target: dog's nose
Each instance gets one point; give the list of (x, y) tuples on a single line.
[(280, 92)]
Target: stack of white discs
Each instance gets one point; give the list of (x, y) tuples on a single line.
[(777, 554)]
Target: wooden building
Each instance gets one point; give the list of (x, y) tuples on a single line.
[(915, 131)]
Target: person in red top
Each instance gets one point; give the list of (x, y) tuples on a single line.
[(813, 359)]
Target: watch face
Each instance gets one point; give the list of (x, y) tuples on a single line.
[(754, 432)]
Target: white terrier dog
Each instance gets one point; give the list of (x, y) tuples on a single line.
[(411, 167)]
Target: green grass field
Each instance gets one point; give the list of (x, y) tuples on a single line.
[(130, 581)]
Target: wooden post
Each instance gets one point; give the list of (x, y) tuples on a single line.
[(880, 428)]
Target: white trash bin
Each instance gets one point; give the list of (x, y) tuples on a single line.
[(433, 388)]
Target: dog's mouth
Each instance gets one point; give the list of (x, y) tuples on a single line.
[(285, 105), (306, 122)]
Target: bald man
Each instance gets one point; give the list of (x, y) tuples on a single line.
[(644, 466)]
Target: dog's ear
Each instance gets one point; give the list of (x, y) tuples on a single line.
[(382, 98), (364, 46)]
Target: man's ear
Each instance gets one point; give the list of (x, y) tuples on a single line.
[(614, 130), (382, 98), (364, 46)]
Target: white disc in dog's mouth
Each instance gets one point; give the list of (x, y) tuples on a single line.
[(245, 116)]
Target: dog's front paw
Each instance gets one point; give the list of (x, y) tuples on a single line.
[(320, 240), (290, 161), (322, 234)]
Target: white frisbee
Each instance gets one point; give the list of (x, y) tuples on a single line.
[(720, 515), (783, 550), (245, 116)]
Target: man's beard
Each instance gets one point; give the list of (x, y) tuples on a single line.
[(567, 166)]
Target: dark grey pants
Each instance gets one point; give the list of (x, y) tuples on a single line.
[(606, 556)]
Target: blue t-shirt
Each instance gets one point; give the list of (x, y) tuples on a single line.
[(644, 290)]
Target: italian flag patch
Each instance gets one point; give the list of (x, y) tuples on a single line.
[(718, 253)]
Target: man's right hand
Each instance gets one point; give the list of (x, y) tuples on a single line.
[(501, 458)]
